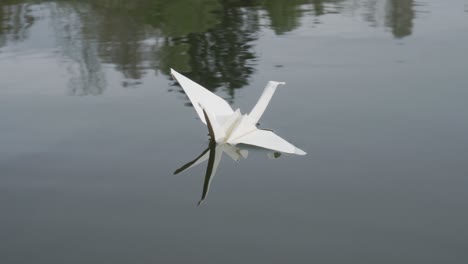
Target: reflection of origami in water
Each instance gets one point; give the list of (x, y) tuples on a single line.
[(231, 127), (213, 154)]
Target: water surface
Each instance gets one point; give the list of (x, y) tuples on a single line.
[(92, 128)]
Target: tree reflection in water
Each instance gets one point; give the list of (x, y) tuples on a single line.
[(400, 15), (16, 19), (211, 41), (83, 62)]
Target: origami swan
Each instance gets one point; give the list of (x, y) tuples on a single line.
[(231, 127)]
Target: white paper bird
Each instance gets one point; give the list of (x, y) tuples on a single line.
[(231, 127)]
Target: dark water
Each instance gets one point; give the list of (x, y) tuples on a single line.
[(92, 128)]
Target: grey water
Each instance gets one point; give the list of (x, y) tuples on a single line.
[(92, 129)]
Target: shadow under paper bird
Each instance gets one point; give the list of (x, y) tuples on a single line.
[(227, 126), (213, 154)]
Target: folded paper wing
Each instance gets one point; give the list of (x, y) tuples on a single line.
[(269, 140), (200, 95)]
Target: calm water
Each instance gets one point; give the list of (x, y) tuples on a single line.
[(92, 128)]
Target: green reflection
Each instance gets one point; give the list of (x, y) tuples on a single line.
[(284, 15), (83, 61), (400, 15), (15, 21), (211, 41), (173, 18), (223, 56)]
